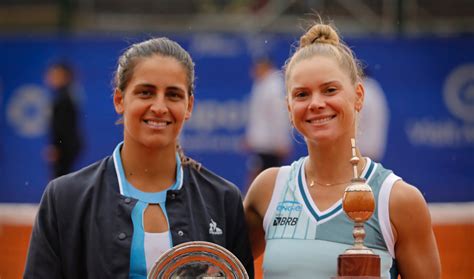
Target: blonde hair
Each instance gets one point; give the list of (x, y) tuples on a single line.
[(322, 39)]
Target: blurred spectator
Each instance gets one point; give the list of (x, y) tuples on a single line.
[(65, 142), (268, 130), (373, 121)]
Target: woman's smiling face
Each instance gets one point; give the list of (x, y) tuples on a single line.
[(322, 99), (155, 102)]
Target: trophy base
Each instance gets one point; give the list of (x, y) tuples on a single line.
[(362, 266)]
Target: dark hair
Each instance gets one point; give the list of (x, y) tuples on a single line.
[(323, 39), (65, 67), (156, 46)]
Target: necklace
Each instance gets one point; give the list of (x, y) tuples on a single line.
[(326, 184), (313, 182)]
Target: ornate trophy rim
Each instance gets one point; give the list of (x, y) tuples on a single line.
[(198, 251)]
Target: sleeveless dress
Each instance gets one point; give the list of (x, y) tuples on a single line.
[(304, 242)]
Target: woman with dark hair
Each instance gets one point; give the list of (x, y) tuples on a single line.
[(114, 218)]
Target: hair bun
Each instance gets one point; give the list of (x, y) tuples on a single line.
[(320, 33)]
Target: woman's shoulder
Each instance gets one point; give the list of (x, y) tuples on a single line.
[(267, 179), (261, 189), (404, 195), (80, 193), (78, 181), (407, 206)]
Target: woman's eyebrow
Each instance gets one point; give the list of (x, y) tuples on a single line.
[(147, 85), (330, 82)]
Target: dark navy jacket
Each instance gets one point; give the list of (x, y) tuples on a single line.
[(84, 229)]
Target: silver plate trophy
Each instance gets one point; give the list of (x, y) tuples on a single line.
[(198, 259)]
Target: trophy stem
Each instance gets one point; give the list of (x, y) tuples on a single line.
[(359, 204), (354, 160), (359, 235)]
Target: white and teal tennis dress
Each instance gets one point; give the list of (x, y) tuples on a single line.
[(304, 242)]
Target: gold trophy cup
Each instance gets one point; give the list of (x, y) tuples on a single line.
[(359, 205)]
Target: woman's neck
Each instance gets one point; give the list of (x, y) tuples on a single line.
[(329, 164), (148, 169)]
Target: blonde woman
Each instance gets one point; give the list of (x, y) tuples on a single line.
[(295, 212)]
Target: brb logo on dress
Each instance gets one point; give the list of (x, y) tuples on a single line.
[(285, 221), (287, 207)]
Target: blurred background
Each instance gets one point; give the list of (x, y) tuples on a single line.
[(420, 53)]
